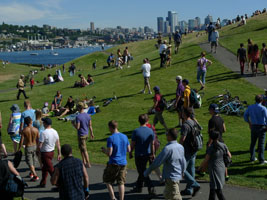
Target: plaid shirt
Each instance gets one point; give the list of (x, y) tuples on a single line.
[(71, 179)]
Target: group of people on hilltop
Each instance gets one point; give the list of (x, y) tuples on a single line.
[(121, 59), (252, 56)]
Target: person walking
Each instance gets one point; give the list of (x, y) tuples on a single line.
[(146, 67), (70, 176), (29, 112), (255, 60), (2, 145), (179, 99), (214, 38), (209, 30), (29, 138), (187, 136), (126, 57), (13, 128), (264, 58), (214, 159), (202, 65), (158, 108), (250, 51), (142, 144), (117, 147), (32, 82), (256, 117), (177, 41), (242, 57), (174, 165), (49, 138), (83, 125), (20, 86), (162, 53)]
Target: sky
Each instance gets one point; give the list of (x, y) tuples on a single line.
[(111, 13)]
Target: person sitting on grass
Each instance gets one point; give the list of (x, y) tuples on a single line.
[(92, 109), (68, 108), (57, 101), (90, 80), (110, 60)]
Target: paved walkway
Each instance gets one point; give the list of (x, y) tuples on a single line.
[(228, 59), (98, 190)]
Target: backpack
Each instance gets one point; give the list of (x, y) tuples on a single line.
[(15, 186), (197, 138), (162, 103), (194, 99)]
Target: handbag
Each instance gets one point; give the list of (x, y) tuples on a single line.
[(226, 158)]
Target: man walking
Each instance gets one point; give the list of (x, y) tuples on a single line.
[(117, 147), (29, 138), (214, 38), (177, 41), (146, 67), (83, 125), (142, 143), (20, 86), (174, 165), (158, 108), (242, 57), (162, 53), (187, 134), (48, 139), (29, 112), (70, 176), (179, 99), (256, 116)]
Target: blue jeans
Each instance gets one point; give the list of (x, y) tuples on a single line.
[(257, 132), (189, 174), (202, 74)]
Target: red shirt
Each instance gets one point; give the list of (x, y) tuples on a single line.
[(32, 82), (157, 98), (255, 56)]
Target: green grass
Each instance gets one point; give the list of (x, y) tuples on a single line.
[(127, 83), (255, 29)]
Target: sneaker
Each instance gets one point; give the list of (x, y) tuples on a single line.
[(149, 92), (35, 178), (185, 192), (255, 159), (263, 162), (142, 91), (31, 175), (195, 191)]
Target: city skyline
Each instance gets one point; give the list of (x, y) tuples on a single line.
[(79, 14)]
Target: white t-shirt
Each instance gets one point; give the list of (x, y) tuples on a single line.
[(162, 47), (48, 138), (51, 80), (146, 69)]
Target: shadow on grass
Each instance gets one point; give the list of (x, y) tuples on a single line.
[(119, 97), (241, 171), (2, 101), (108, 72), (223, 78), (181, 61)]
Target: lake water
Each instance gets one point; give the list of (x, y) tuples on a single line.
[(46, 56)]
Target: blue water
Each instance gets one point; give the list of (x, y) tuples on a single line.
[(46, 57)]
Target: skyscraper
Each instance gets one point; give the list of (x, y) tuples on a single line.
[(92, 26), (198, 22), (191, 24), (208, 19), (160, 24), (167, 28), (173, 20)]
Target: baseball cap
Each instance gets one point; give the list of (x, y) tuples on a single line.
[(214, 107), (47, 121), (179, 77), (156, 88), (186, 81)]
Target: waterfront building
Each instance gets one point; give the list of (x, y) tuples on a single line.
[(160, 24)]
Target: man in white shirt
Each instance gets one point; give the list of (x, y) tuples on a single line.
[(146, 67), (162, 53), (214, 39), (48, 139)]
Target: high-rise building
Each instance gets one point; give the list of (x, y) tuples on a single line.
[(167, 28), (183, 26), (198, 22), (208, 19), (173, 20), (160, 24), (191, 24), (92, 26)]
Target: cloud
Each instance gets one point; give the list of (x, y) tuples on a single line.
[(20, 13)]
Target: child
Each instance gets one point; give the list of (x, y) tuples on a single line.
[(32, 82), (45, 109)]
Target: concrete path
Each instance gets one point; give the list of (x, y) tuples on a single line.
[(228, 59), (98, 190)]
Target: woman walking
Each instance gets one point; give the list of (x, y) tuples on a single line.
[(249, 49), (215, 161), (264, 57), (14, 126), (202, 65), (255, 59)]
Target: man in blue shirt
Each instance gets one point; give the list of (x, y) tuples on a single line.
[(142, 143), (256, 116), (174, 165), (117, 147)]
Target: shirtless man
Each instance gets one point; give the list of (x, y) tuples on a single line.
[(29, 138)]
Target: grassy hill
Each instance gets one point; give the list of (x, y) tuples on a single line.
[(127, 83)]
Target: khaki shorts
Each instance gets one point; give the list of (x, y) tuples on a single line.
[(114, 173), (171, 191), (30, 155), (158, 117), (146, 80), (82, 143)]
